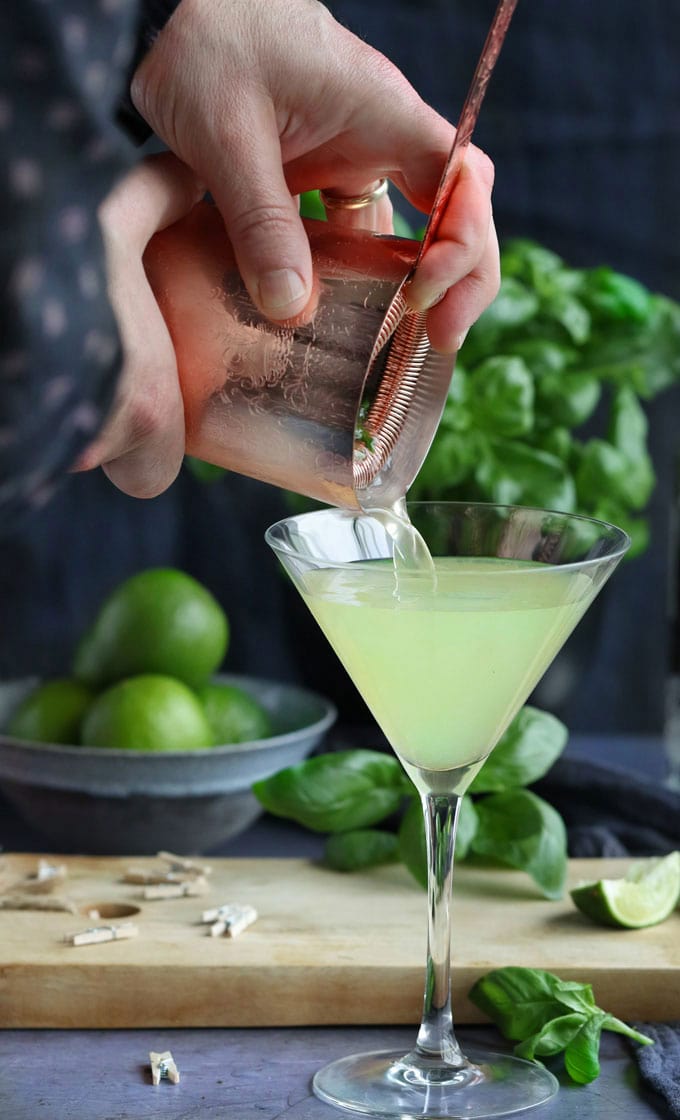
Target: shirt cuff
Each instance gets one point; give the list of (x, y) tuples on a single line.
[(153, 16)]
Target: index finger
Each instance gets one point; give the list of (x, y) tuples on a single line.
[(461, 237)]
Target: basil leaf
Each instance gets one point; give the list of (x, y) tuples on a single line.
[(552, 1038), (568, 399), (541, 355), (636, 527), (528, 261), (501, 396), (449, 461), (514, 305), (522, 830), (204, 472), (602, 470), (628, 433), (516, 474), (412, 843), (466, 828), (581, 1057), (361, 848), (520, 1001), (400, 226), (336, 792), (570, 313), (311, 206), (577, 996), (527, 750), (614, 296), (555, 441)]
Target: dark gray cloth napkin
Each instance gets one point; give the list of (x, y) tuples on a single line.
[(610, 812), (659, 1064)]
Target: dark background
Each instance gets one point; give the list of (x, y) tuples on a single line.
[(582, 120)]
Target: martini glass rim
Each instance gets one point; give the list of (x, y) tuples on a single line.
[(620, 539)]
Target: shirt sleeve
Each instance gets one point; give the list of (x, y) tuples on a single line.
[(61, 82), (153, 16)]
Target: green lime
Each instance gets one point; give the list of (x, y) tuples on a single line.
[(147, 713), (233, 714), (649, 892), (158, 621), (52, 712)]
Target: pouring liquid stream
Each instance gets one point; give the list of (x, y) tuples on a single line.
[(410, 555)]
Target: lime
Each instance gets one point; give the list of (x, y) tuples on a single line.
[(647, 894), (52, 712), (158, 621), (147, 713), (233, 714)]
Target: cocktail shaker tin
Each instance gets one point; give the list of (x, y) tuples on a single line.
[(342, 407)]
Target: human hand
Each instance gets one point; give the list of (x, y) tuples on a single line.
[(141, 445), (264, 99)]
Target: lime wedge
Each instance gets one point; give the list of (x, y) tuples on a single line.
[(647, 894)]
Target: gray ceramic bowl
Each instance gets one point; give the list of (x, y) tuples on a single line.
[(102, 801)]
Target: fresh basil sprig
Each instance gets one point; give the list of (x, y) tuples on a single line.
[(336, 792), (557, 348), (546, 1016), (345, 792)]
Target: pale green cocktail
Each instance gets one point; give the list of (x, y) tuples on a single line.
[(444, 668)]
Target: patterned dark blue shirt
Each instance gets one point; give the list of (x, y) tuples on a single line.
[(64, 68)]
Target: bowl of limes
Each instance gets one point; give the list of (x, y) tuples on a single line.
[(144, 745)]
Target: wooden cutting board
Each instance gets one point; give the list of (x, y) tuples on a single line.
[(327, 948)]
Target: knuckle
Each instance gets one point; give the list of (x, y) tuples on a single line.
[(143, 421), (271, 219)]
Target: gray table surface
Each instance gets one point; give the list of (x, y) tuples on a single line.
[(264, 1073)]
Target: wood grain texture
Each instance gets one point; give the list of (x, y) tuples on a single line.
[(327, 949)]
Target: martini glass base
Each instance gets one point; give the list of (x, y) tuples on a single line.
[(384, 1084)]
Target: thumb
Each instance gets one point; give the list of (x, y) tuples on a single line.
[(262, 220)]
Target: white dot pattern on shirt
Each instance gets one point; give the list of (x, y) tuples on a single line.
[(89, 281), (100, 347), (62, 115), (53, 317), (28, 277), (42, 495), (25, 178), (85, 418), (74, 32), (111, 6), (72, 224), (57, 390)]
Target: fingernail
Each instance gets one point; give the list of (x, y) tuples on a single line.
[(434, 300), (461, 339), (281, 292)]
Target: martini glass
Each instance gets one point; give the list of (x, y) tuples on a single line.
[(444, 658)]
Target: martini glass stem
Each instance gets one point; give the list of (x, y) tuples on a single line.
[(436, 1044)]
